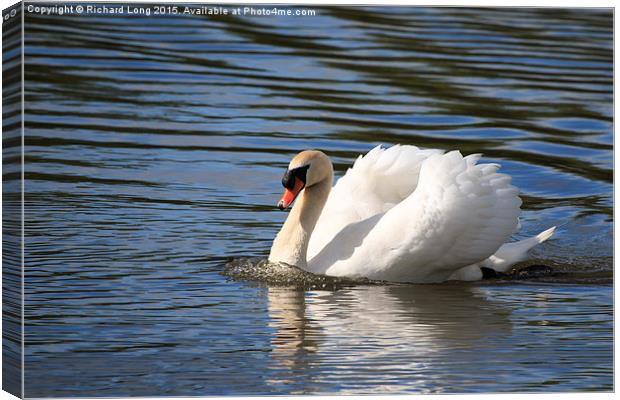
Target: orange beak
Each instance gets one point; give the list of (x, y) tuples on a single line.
[(290, 194)]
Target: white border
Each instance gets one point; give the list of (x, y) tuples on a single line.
[(428, 3), (480, 3)]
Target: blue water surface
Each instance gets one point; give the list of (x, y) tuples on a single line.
[(154, 152)]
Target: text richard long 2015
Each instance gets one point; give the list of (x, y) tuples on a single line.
[(166, 10)]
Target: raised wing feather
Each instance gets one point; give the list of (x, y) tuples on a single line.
[(459, 214), (377, 182)]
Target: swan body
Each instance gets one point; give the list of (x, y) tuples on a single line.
[(401, 214)]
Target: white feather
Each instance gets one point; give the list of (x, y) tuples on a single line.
[(505, 257), (412, 215), (376, 183)]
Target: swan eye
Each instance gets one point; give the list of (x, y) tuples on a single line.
[(288, 180)]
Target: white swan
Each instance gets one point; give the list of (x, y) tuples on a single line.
[(400, 214)]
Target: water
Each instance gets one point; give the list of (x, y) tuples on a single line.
[(154, 151)]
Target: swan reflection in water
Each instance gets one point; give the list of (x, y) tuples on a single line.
[(368, 339)]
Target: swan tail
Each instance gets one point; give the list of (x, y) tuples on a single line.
[(511, 253)]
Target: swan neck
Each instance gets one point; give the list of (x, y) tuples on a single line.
[(291, 244)]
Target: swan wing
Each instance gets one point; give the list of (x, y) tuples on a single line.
[(459, 214), (374, 184)]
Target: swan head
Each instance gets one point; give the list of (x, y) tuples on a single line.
[(306, 169)]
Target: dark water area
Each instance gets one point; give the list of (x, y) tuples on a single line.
[(154, 151)]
